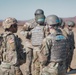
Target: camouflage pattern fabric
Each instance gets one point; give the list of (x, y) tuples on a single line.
[(56, 56), (27, 29), (29, 52), (8, 22), (29, 56), (10, 51), (36, 63), (10, 71), (54, 69)]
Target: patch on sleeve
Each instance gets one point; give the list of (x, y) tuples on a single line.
[(60, 37), (11, 40)]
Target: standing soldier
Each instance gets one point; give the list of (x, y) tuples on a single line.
[(28, 48), (55, 45), (71, 43), (38, 34), (10, 65), (35, 36)]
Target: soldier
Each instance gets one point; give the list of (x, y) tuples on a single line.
[(55, 45), (28, 48), (38, 34), (71, 43), (10, 65), (35, 37)]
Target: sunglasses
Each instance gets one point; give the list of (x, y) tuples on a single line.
[(14, 25), (70, 26)]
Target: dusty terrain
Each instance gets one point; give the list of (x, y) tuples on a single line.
[(73, 64)]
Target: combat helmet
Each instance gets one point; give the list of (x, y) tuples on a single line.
[(71, 23), (62, 23), (39, 12), (8, 22), (52, 20)]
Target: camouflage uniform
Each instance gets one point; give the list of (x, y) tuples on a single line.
[(31, 50), (7, 69), (10, 52), (37, 33), (54, 66), (55, 46), (28, 47)]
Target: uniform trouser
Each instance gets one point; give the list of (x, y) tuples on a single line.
[(28, 64), (12, 71), (54, 68), (35, 63)]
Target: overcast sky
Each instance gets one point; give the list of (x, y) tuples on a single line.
[(24, 9)]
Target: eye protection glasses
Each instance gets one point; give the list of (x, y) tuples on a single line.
[(14, 25)]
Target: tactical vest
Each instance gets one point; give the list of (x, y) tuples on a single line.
[(58, 48), (37, 35)]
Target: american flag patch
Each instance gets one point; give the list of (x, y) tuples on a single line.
[(11, 41)]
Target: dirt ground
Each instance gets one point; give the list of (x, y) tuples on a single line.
[(73, 64)]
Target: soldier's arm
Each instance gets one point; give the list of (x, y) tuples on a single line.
[(26, 30), (46, 45), (46, 30), (44, 53)]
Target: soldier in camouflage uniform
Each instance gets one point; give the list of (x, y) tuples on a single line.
[(71, 44), (28, 48), (55, 45), (9, 65), (37, 33)]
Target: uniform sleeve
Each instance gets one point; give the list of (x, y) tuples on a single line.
[(11, 43), (43, 55), (46, 30), (46, 44)]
